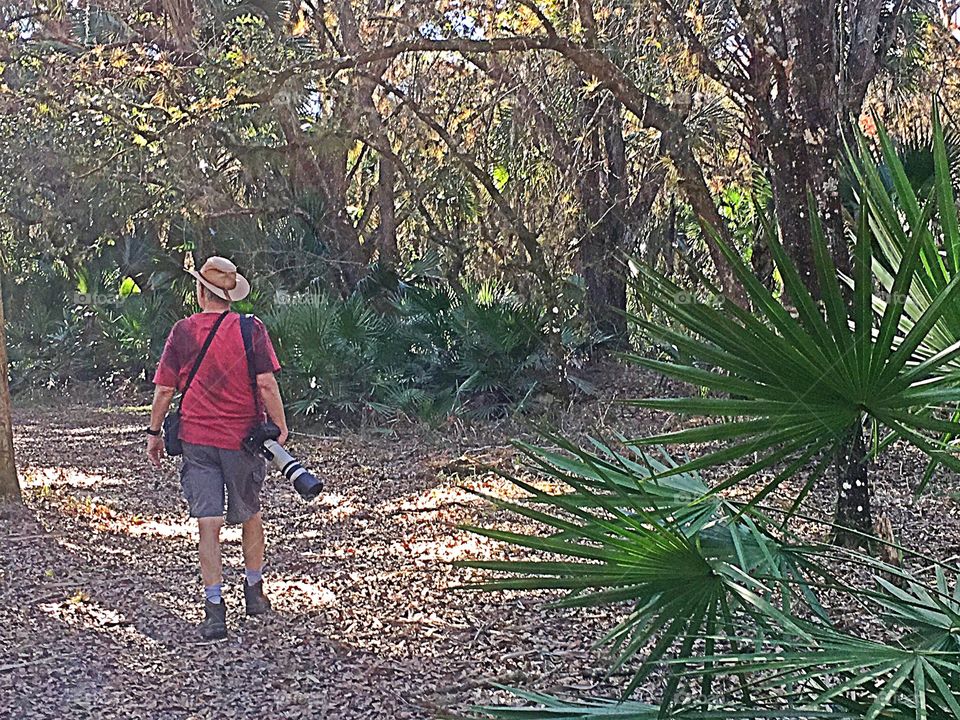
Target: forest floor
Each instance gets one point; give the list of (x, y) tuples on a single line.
[(100, 593)]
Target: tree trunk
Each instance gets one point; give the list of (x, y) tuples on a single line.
[(602, 194), (9, 485), (693, 186), (789, 183), (385, 192), (324, 177), (796, 131), (180, 21), (853, 492)]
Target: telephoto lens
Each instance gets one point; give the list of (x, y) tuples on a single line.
[(262, 440), (304, 482)]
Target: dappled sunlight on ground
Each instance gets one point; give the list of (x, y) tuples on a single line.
[(445, 549), (80, 609), (164, 529), (37, 477), (92, 433), (370, 622), (339, 506), (430, 499), (300, 593)]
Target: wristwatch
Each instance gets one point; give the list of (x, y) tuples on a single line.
[(150, 431)]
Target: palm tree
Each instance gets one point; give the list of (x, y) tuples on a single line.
[(739, 613)]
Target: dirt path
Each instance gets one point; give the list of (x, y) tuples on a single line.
[(99, 589)]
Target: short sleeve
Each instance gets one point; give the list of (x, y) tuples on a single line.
[(264, 357), (168, 369)]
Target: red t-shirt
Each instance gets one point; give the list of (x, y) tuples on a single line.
[(218, 409)]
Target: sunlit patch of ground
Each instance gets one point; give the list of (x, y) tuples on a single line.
[(340, 506), (59, 476), (371, 622), (446, 549), (300, 592), (113, 410)]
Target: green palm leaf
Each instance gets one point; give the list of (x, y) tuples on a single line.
[(700, 574), (804, 383)]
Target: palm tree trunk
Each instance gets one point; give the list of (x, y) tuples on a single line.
[(9, 485), (853, 515)]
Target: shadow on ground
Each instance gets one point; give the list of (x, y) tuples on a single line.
[(99, 592)]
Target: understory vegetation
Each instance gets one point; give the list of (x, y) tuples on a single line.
[(451, 210), (735, 612), (400, 345)]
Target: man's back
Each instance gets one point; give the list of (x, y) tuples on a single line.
[(219, 408)]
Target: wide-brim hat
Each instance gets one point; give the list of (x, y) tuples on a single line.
[(220, 276)]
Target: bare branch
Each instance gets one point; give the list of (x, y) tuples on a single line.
[(527, 237), (548, 26)]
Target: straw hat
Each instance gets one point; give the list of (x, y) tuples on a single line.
[(220, 276)]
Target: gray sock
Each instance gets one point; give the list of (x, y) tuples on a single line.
[(254, 576), (213, 593)]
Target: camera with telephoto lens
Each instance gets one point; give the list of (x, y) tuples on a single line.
[(262, 440)]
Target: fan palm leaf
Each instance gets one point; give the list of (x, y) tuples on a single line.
[(790, 388), (703, 606)]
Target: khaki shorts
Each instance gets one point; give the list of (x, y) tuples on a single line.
[(207, 474)]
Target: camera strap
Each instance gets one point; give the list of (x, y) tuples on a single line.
[(246, 332), (203, 352)]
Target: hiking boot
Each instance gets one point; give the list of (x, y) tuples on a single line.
[(257, 603), (214, 625)]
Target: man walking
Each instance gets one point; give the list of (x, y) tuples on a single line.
[(217, 411)]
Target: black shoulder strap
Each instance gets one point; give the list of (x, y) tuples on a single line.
[(246, 331), (203, 351)]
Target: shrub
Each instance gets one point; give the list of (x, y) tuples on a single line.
[(426, 352)]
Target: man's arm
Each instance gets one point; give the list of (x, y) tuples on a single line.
[(162, 397), (270, 392)]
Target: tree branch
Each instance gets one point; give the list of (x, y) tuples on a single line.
[(527, 237), (737, 83)]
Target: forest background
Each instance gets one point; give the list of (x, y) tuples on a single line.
[(451, 210), (436, 200)]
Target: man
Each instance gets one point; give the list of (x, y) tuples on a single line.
[(216, 413)]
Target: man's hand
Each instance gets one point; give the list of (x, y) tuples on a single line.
[(155, 449), (162, 397), (284, 434)]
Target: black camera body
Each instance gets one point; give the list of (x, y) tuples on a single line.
[(262, 440)]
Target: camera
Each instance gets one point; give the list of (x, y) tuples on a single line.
[(262, 440)]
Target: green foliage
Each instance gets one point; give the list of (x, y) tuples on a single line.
[(936, 270), (789, 389), (107, 329), (134, 330), (742, 618), (422, 351), (338, 356)]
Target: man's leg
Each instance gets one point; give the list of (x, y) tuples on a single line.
[(253, 547), (254, 599), (214, 625), (211, 564), (202, 480)]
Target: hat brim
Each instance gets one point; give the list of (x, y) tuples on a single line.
[(238, 293)]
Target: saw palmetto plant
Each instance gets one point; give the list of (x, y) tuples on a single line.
[(795, 390), (724, 610), (740, 619)]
